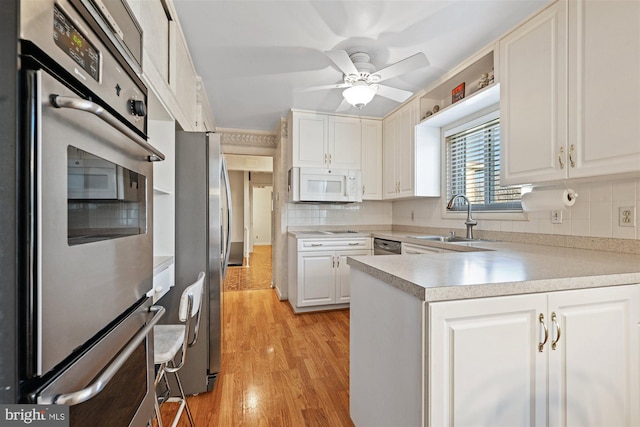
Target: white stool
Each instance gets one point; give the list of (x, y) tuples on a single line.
[(170, 339)]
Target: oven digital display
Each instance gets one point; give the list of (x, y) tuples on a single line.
[(74, 44)]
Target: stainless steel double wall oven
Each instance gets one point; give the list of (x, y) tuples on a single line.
[(87, 180)]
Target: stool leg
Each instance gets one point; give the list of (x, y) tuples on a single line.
[(157, 410), (185, 400), (159, 376)]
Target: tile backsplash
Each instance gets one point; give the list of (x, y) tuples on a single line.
[(351, 214), (595, 213)]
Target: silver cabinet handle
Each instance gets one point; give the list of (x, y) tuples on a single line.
[(338, 261), (93, 108), (316, 244), (325, 158), (333, 262), (571, 161), (101, 382), (561, 157), (546, 333), (354, 244), (557, 327), (329, 159)]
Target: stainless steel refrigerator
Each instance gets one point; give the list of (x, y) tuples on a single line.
[(202, 242)]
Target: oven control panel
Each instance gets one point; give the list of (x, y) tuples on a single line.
[(72, 42), (66, 33)]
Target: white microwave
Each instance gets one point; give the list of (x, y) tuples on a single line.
[(324, 185)]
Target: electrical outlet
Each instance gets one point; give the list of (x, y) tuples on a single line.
[(627, 216), (556, 217)]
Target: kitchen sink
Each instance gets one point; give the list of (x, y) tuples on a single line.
[(330, 232), (448, 239)]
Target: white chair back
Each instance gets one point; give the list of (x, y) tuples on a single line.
[(195, 292)]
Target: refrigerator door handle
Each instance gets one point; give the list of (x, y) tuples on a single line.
[(225, 178)]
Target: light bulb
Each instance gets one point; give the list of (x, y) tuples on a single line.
[(360, 94)]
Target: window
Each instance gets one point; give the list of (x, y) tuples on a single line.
[(473, 167)]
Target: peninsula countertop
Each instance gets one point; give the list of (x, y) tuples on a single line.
[(499, 268)]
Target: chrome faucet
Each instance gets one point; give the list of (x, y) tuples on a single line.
[(470, 222)]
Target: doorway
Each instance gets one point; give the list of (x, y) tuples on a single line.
[(261, 214), (251, 182)]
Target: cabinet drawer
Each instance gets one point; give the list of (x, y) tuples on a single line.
[(334, 244), (162, 282)]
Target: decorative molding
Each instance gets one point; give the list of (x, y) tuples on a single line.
[(284, 128), (242, 137)]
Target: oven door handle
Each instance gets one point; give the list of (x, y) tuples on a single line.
[(93, 108), (101, 382)]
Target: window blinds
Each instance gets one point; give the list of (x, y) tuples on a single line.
[(473, 169)]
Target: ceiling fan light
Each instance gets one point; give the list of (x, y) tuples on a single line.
[(359, 95)]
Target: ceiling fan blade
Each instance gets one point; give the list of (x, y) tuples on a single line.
[(325, 87), (342, 60), (411, 63), (344, 106), (398, 95)]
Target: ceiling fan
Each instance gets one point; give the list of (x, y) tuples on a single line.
[(361, 80)]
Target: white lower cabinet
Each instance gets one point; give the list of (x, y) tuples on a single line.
[(323, 277), (565, 358), (492, 361), (319, 273)]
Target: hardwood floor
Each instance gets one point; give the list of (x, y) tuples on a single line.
[(257, 276), (278, 368)]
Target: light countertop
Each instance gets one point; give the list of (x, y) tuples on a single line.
[(161, 262), (497, 268)]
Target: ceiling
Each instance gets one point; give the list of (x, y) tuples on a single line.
[(256, 58)]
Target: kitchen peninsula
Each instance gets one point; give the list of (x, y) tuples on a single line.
[(512, 334)]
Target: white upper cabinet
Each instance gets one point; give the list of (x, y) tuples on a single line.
[(533, 101), (389, 154), (325, 141), (411, 168), (604, 87), (371, 159), (399, 152), (167, 64), (184, 82), (570, 80), (309, 134), (345, 143)]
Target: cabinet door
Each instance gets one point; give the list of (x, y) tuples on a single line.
[(343, 291), (533, 104), (405, 149), (390, 151), (604, 98), (309, 140), (593, 371), (345, 143), (155, 23), (316, 278), (184, 84), (372, 159), (484, 366)]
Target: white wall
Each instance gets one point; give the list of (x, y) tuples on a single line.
[(261, 206), (595, 213)]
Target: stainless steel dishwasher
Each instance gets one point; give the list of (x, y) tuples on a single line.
[(386, 247)]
